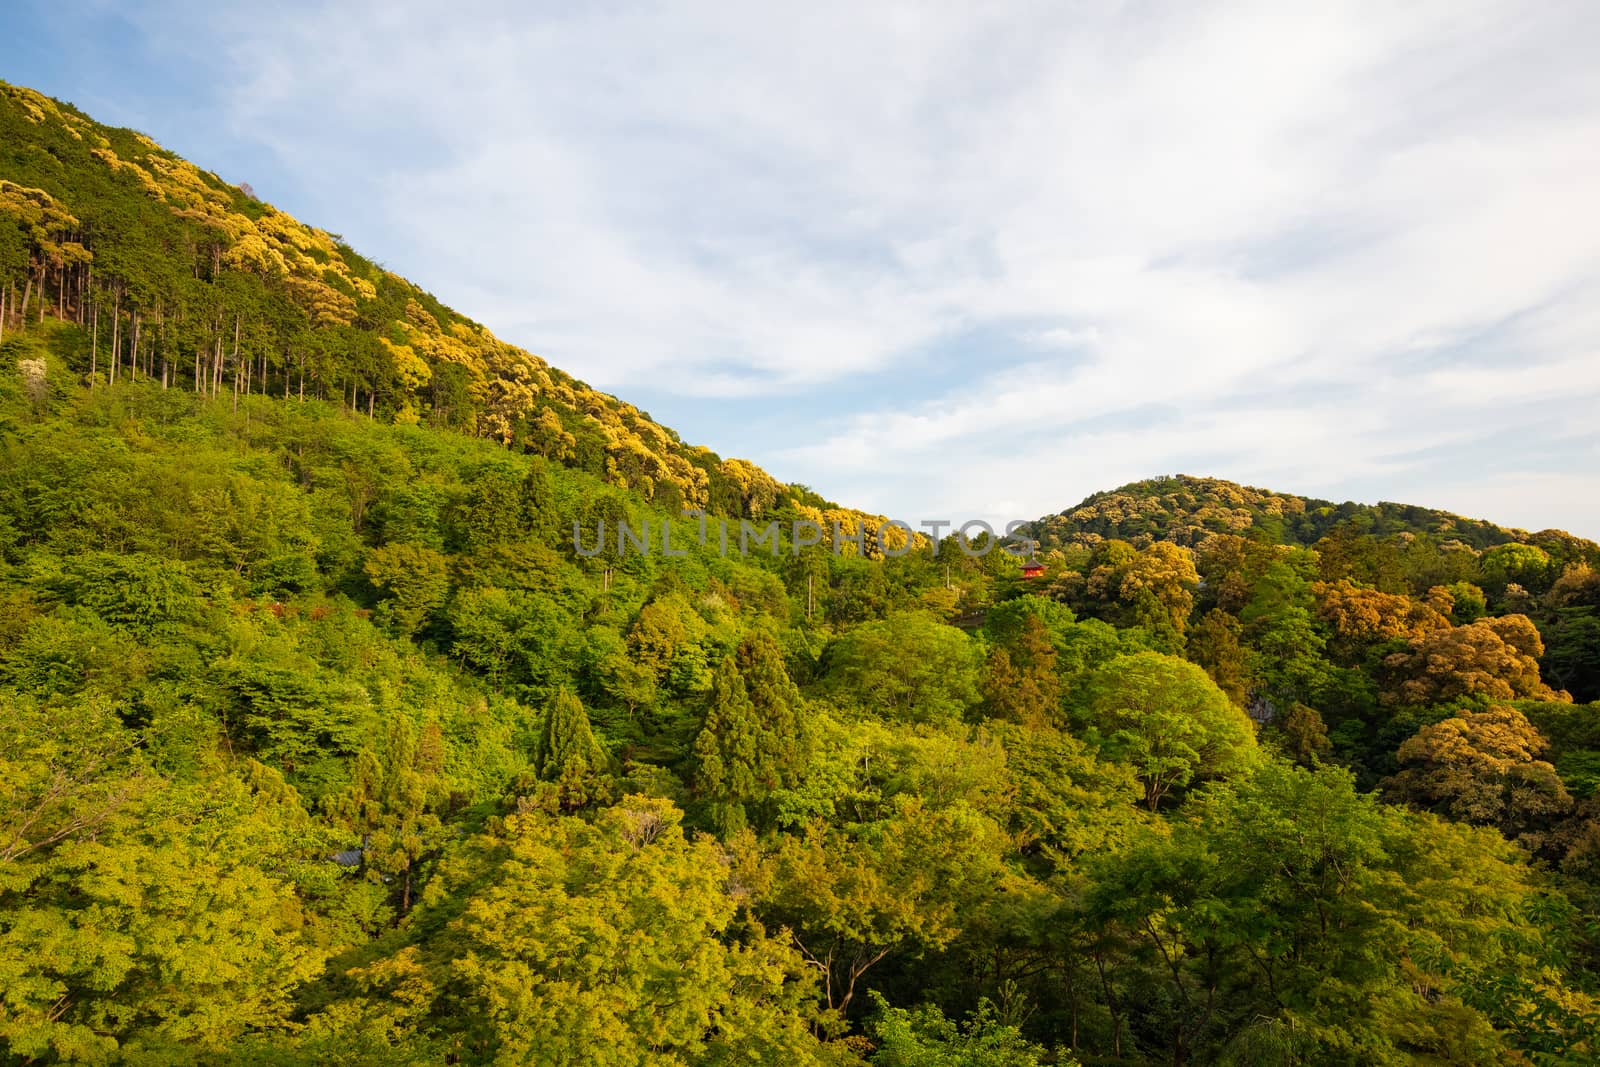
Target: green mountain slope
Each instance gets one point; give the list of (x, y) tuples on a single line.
[(184, 278)]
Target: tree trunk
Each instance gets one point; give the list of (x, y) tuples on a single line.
[(116, 332), (133, 354), (94, 346), (161, 337), (22, 317), (236, 362)]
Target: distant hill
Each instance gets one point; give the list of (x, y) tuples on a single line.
[(1185, 509)]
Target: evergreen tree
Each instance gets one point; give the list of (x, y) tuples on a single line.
[(753, 740), (393, 803), (726, 751), (1214, 645), (781, 732), (569, 755), (1020, 682)]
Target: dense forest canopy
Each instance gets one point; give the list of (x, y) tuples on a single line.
[(321, 741)]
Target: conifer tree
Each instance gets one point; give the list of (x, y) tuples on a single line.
[(1020, 681), (725, 752), (1214, 645), (393, 803), (754, 739), (781, 733), (569, 755)]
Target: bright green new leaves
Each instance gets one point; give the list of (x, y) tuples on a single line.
[(923, 1037), (1168, 720), (416, 579), (65, 770), (909, 667), (160, 934), (605, 943), (1064, 802), (1340, 931), (132, 590), (853, 898), (1517, 564)]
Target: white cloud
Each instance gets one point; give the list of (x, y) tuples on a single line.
[(1322, 248)]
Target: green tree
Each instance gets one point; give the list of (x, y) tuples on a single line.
[(612, 942), (909, 667), (1516, 564), (1003, 622), (1289, 917), (1303, 735), (416, 581), (1063, 802), (1019, 680), (131, 943), (924, 1037), (853, 898), (1467, 602), (662, 631), (1167, 719), (392, 805), (569, 756), (733, 751), (1214, 644)]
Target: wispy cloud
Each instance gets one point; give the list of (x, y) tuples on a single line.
[(1325, 248)]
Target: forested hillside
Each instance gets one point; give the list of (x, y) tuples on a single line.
[(177, 276), (1185, 510), (322, 742)]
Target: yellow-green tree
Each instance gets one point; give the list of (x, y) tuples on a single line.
[(1482, 767), (851, 898), (603, 943), (164, 935)]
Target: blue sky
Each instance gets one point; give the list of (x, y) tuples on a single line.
[(956, 260)]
